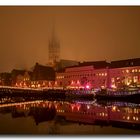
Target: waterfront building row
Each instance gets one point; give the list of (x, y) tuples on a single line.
[(100, 74), (87, 75), (40, 76)]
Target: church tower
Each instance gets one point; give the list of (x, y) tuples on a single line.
[(54, 49)]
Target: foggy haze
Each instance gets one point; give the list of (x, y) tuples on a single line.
[(85, 34)]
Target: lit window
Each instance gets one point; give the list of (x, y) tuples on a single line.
[(128, 117), (127, 71), (135, 78), (118, 78), (133, 70), (106, 115), (127, 83), (135, 110), (113, 80), (137, 118)]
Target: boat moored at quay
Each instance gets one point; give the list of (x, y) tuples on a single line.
[(131, 94)]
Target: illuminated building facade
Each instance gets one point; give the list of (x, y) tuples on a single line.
[(125, 73), (21, 78), (42, 76), (100, 74), (85, 75), (17, 77)]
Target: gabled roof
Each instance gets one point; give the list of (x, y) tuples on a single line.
[(41, 72)]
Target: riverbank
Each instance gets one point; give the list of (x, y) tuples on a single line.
[(59, 94)]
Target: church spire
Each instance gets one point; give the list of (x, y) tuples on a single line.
[(54, 47)]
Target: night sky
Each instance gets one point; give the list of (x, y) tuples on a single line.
[(85, 34)]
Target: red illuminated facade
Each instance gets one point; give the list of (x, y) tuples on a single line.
[(85, 75), (100, 74)]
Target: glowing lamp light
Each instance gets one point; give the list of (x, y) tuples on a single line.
[(43, 83), (72, 82), (114, 108), (103, 87), (78, 107), (87, 86), (20, 84), (113, 86), (88, 106), (32, 85), (55, 106), (78, 82), (72, 107), (128, 83), (55, 82)]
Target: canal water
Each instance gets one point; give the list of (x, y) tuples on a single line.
[(18, 116)]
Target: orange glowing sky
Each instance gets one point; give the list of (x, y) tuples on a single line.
[(85, 33)]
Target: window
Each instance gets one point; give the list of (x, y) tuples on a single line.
[(127, 71)]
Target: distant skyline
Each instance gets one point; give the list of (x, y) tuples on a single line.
[(85, 33)]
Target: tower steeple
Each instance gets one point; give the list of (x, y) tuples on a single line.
[(54, 48)]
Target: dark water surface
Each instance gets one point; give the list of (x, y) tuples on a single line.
[(18, 116)]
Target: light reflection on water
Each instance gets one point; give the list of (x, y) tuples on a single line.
[(63, 117)]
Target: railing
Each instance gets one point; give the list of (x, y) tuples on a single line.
[(25, 88)]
